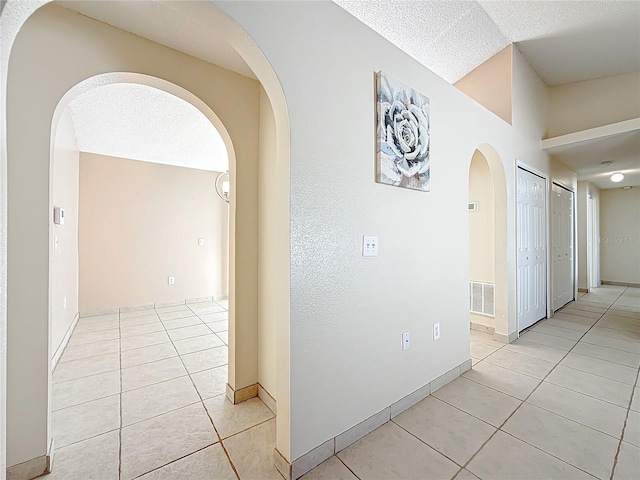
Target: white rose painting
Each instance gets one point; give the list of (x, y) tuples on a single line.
[(403, 135)]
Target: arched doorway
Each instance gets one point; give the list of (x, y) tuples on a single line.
[(28, 199), (488, 244)]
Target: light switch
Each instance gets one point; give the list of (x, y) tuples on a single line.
[(369, 246), (201, 241)]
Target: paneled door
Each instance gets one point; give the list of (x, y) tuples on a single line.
[(562, 244), (532, 249)]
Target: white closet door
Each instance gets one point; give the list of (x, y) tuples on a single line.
[(563, 246), (532, 249)]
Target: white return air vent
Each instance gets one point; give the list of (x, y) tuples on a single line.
[(482, 298)]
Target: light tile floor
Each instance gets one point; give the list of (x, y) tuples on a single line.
[(141, 395), (561, 402)]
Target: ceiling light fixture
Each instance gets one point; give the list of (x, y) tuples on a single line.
[(617, 177)]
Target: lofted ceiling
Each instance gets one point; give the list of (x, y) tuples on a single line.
[(143, 123), (564, 41)]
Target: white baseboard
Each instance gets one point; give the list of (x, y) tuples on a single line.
[(63, 344), (33, 468), (322, 452)]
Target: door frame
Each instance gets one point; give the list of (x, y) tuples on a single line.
[(546, 178), (574, 233)]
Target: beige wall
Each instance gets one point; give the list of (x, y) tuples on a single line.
[(490, 83), (620, 235), (139, 224), (55, 37), (64, 260), (482, 235), (593, 103), (585, 189), (267, 263)]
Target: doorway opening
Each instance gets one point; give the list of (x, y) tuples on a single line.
[(488, 290)]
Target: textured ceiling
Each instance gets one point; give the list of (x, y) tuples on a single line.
[(167, 25), (586, 158), (564, 41), (143, 123)]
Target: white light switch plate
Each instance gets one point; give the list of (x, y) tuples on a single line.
[(369, 246), (201, 241), (406, 340)]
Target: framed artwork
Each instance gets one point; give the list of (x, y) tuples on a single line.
[(403, 135)]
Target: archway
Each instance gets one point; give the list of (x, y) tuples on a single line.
[(27, 155), (488, 243)]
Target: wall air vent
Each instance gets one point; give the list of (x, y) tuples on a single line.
[(482, 298)]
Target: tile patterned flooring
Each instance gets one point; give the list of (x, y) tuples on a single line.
[(141, 395), (561, 402)]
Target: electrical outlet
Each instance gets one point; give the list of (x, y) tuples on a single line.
[(369, 246), (172, 280), (436, 331), (406, 340)]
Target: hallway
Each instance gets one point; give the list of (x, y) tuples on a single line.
[(141, 395), (558, 403), (143, 391)]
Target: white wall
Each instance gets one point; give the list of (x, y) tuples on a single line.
[(347, 313), (585, 189), (620, 235), (64, 264), (139, 224)]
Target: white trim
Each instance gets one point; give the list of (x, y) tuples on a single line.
[(591, 134), (63, 344), (319, 454)]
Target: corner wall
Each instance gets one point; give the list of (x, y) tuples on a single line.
[(139, 224), (348, 312)]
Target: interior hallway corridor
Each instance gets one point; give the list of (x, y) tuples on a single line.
[(141, 394), (561, 402)]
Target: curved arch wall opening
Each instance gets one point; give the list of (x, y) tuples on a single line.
[(133, 167), (258, 344), (488, 293)]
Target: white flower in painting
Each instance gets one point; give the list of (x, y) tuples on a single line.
[(403, 129)]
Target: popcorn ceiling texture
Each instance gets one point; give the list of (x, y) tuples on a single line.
[(564, 41), (143, 123)]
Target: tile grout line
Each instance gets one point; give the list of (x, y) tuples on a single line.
[(624, 427), (224, 448), (528, 396), (233, 467)]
